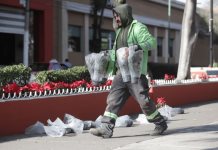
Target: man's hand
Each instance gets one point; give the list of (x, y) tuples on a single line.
[(126, 54), (134, 48)]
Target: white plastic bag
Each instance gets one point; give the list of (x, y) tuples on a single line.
[(166, 111), (129, 61), (54, 131), (87, 125), (134, 62), (97, 66), (177, 111), (170, 112), (122, 60), (57, 122), (141, 119), (56, 128), (124, 121), (98, 120), (75, 124), (37, 128)]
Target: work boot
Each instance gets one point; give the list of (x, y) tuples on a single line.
[(159, 128), (105, 130)]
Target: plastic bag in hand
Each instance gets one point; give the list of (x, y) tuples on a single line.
[(122, 60), (134, 62), (90, 62), (129, 61), (97, 66)]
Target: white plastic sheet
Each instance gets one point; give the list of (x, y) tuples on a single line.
[(71, 124), (37, 128), (58, 128), (54, 131), (124, 121), (170, 112), (141, 119), (75, 124)]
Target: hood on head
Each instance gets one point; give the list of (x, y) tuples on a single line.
[(118, 2), (125, 13)]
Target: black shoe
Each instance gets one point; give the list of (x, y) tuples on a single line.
[(159, 129), (105, 130)]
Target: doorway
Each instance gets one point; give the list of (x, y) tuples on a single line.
[(11, 48)]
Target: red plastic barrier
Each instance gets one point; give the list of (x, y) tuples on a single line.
[(187, 93), (17, 115)]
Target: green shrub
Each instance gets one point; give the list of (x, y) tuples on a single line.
[(67, 76), (81, 72), (42, 76), (15, 73), (215, 64), (21, 75)]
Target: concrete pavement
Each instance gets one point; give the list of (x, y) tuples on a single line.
[(197, 129), (203, 137)]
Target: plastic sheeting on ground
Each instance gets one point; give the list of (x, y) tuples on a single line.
[(71, 124)]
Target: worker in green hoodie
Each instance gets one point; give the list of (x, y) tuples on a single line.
[(135, 36)]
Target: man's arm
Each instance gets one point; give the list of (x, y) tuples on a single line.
[(145, 40)]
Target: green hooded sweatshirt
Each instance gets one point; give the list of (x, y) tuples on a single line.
[(137, 34)]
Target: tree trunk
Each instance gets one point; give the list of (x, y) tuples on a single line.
[(188, 39)]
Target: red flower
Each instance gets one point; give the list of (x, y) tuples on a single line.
[(12, 88), (161, 100), (34, 86), (61, 85), (152, 82), (81, 82), (169, 77), (24, 88), (108, 82), (48, 86), (203, 76), (73, 85), (89, 85), (77, 84), (151, 90)]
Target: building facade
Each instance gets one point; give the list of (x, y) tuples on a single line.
[(12, 25), (63, 29), (75, 37)]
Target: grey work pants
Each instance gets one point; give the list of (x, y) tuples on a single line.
[(121, 91)]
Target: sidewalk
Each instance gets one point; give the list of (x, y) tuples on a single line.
[(197, 129)]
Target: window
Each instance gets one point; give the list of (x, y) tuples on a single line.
[(159, 46), (107, 39), (171, 48), (109, 4), (74, 38), (149, 53)]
